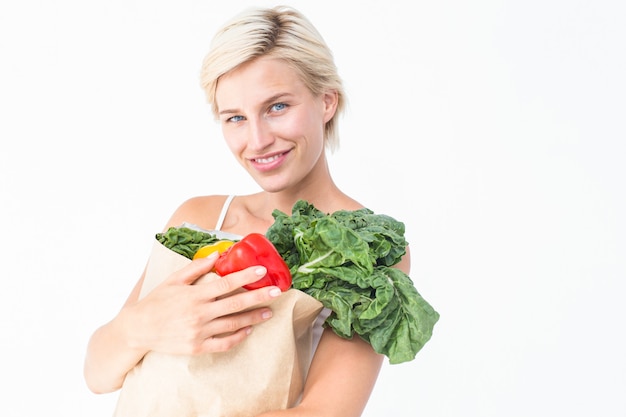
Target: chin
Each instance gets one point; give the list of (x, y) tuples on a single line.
[(272, 189), (272, 186), (268, 182)]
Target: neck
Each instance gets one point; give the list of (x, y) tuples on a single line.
[(320, 197)]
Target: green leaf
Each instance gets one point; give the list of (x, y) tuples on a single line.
[(344, 260), (185, 241)]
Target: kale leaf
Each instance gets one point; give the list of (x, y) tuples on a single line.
[(345, 260)]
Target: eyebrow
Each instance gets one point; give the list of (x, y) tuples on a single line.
[(272, 99)]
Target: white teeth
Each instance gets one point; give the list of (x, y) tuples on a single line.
[(266, 160)]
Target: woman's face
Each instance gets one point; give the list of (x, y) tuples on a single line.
[(272, 122)]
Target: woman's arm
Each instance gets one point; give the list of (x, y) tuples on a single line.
[(340, 380), (109, 356)]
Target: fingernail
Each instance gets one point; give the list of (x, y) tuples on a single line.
[(267, 314), (213, 255), (260, 271), (249, 330), (275, 292)]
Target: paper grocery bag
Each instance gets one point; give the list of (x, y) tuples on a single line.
[(265, 372)]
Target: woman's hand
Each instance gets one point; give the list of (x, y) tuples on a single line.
[(183, 315), (180, 318)]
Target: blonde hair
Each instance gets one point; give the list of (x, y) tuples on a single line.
[(283, 33)]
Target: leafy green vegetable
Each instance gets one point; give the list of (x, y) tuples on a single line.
[(344, 260), (185, 241)]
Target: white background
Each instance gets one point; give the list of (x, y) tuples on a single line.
[(493, 129)]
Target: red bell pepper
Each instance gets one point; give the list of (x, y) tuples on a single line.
[(255, 249)]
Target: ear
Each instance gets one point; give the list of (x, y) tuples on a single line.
[(330, 99)]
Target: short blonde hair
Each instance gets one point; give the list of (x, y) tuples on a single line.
[(283, 33)]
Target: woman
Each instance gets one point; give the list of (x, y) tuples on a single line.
[(274, 88)]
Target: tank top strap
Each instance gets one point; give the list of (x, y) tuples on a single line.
[(222, 216)]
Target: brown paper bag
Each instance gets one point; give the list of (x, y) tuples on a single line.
[(265, 372)]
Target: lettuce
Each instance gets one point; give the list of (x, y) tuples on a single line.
[(345, 260)]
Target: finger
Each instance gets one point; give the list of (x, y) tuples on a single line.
[(235, 281), (206, 278), (225, 343), (227, 332), (197, 268), (240, 309)]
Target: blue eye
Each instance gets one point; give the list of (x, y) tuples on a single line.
[(279, 106), (235, 119)]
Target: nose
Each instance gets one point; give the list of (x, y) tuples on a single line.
[(260, 135)]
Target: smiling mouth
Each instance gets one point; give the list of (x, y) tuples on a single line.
[(269, 159)]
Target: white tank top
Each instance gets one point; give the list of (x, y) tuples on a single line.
[(220, 219)]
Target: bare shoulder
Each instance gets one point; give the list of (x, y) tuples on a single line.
[(202, 211), (336, 203), (348, 203)]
